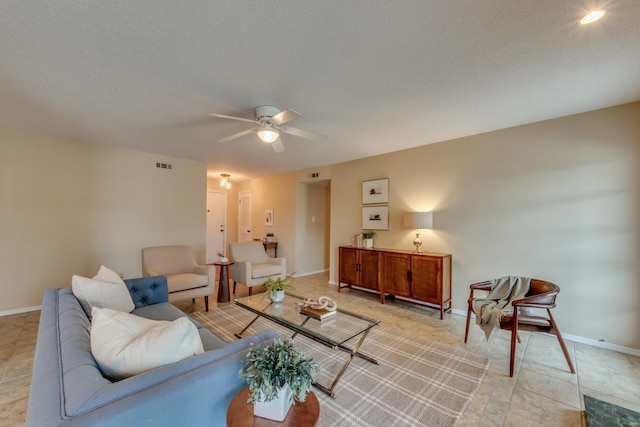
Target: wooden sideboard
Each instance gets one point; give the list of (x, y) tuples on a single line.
[(423, 278)]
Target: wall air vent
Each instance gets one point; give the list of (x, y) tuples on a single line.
[(166, 166)]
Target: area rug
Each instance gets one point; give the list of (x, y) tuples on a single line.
[(417, 383)]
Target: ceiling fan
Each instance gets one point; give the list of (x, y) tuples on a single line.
[(271, 124)]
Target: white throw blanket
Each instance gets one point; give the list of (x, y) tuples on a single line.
[(505, 290)]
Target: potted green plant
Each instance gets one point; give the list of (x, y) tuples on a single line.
[(367, 238), (276, 287), (269, 237), (277, 375), (222, 257)]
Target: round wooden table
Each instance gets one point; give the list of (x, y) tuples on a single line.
[(301, 414)]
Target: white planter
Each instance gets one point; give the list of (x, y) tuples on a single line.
[(224, 259), (277, 296), (269, 239), (367, 243), (278, 408)]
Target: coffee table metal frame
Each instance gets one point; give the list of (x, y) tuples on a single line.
[(333, 332)]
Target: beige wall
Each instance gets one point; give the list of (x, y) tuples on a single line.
[(557, 200), (312, 228), (68, 207), (295, 198), (277, 193)]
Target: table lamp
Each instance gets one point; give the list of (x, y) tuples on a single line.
[(418, 221)]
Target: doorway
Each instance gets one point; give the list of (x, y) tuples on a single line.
[(216, 224), (313, 226)]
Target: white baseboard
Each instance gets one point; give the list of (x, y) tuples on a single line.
[(601, 344), (581, 340), (310, 273), (459, 312), (19, 310)]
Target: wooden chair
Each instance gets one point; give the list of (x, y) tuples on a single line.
[(541, 295)]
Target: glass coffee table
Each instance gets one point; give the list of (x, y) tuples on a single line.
[(334, 331)]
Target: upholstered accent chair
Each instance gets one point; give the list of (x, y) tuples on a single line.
[(252, 266), (186, 279), (541, 295)]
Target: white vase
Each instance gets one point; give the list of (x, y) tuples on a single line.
[(367, 243), (277, 296), (278, 408), (225, 259), (269, 239)]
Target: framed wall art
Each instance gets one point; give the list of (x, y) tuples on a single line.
[(376, 191), (268, 217), (375, 217)]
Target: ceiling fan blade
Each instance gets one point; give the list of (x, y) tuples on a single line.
[(238, 135), (284, 116), (278, 146), (303, 133), (242, 119)]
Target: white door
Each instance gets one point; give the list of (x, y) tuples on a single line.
[(244, 217), (216, 224)]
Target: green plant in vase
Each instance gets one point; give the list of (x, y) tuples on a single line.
[(222, 257), (278, 373), (276, 287), (367, 238), (368, 234)]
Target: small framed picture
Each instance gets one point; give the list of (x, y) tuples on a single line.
[(268, 217), (375, 217), (376, 191)]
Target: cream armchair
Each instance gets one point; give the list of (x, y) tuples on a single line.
[(185, 278), (252, 266)]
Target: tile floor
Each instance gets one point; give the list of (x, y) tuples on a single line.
[(542, 391)]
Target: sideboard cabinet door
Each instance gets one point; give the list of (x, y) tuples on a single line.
[(369, 269), (349, 266), (396, 274), (359, 267), (426, 279)]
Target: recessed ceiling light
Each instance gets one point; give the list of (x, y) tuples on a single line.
[(592, 17)]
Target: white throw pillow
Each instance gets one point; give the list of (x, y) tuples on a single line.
[(124, 344), (106, 289), (107, 275)]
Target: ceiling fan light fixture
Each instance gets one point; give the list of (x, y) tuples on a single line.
[(225, 181), (592, 17), (268, 134)]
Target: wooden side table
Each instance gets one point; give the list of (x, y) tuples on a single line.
[(302, 414), (223, 281), (271, 245)]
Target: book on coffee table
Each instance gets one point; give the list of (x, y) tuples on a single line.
[(315, 313)]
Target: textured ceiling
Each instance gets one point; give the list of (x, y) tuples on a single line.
[(374, 76)]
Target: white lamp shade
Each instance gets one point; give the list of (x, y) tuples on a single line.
[(418, 220)]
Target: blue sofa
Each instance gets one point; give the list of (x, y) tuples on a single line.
[(67, 387)]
